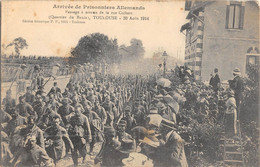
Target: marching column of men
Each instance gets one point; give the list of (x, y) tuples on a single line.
[(117, 111)]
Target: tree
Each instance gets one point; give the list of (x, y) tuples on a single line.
[(96, 47), (134, 51), (19, 44), (136, 48)]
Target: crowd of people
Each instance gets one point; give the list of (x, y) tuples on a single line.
[(136, 118)]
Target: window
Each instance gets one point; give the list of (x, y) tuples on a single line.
[(252, 60), (235, 16)]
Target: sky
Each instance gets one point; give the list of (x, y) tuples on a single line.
[(161, 32)]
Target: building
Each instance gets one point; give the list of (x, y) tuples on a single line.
[(221, 34)]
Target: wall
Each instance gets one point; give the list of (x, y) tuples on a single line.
[(223, 48), (194, 45)]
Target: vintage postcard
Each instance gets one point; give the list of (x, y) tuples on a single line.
[(153, 83)]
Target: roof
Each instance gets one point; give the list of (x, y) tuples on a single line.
[(185, 26), (197, 7)]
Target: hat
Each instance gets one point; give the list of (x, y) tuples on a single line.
[(57, 64), (21, 97), (154, 119), (108, 130), (187, 82), (137, 101), (141, 132), (231, 93), (153, 110), (137, 159), (38, 96), (127, 108), (193, 84), (122, 123), (37, 67), (66, 100), (161, 106), (163, 92), (127, 146), (155, 101), (23, 66), (159, 96), (236, 71), (150, 142), (203, 93)]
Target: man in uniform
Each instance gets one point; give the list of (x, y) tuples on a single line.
[(65, 110), (139, 113), (33, 130), (38, 106), (79, 132), (121, 134), (95, 126), (100, 112), (108, 106), (29, 97), (16, 120), (55, 135), (8, 101), (47, 118), (55, 90), (32, 155), (108, 155), (130, 120), (24, 108)]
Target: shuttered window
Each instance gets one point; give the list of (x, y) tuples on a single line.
[(235, 16)]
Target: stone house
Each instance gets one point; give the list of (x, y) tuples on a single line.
[(221, 34)]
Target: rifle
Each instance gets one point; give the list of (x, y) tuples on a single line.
[(48, 80)]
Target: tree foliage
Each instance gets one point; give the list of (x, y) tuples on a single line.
[(249, 111), (135, 51), (19, 44), (94, 48)]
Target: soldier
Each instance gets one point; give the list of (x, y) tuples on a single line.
[(121, 134), (8, 101), (55, 134), (75, 102), (24, 109), (32, 155), (108, 106), (79, 132), (53, 103), (6, 154), (47, 118), (85, 102), (94, 121), (65, 110), (32, 130), (55, 90), (108, 155), (139, 113), (144, 103), (16, 120), (101, 113), (29, 97), (66, 93), (4, 117), (130, 120), (38, 106)]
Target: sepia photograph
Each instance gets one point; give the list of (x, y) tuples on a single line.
[(133, 83)]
